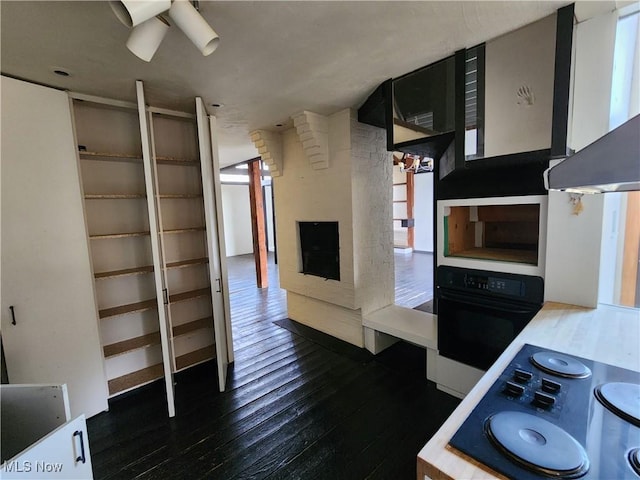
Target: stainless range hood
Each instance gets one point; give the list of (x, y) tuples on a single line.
[(610, 164)]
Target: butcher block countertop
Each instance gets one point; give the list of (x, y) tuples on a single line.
[(606, 334)]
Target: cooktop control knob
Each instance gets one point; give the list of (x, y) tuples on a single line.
[(550, 386), (522, 376), (543, 400), (513, 389)]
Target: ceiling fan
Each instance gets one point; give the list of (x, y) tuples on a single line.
[(148, 24)]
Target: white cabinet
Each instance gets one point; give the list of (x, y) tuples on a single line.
[(130, 285), (151, 209), (62, 454), (39, 441), (119, 232), (49, 324)]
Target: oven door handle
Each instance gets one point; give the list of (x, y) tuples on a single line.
[(487, 303)]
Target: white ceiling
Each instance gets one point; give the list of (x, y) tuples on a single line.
[(274, 58)]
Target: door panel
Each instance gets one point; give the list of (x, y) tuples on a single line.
[(213, 243), (46, 271), (151, 180)]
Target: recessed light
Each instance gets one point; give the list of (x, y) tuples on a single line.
[(278, 124), (217, 105), (63, 72)]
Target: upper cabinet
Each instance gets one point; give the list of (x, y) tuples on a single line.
[(498, 111), (423, 110)]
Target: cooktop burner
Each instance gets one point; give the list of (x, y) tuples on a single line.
[(559, 364), (537, 444), (553, 415), (621, 398), (634, 460)]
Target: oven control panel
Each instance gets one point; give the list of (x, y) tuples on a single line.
[(505, 286), (532, 389), (520, 288)]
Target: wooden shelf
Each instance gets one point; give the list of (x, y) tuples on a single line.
[(113, 196), (110, 157), (176, 161), (509, 213), (181, 297), (135, 379), (132, 157), (197, 356), (118, 235), (499, 254), (179, 195), (125, 346), (192, 326), (399, 201), (130, 308), (184, 230), (188, 263), (126, 271), (399, 183)]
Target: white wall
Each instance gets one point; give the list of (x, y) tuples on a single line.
[(371, 186), (268, 206), (574, 241), (524, 57), (423, 212), (237, 219)]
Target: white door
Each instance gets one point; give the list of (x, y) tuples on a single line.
[(49, 314), (150, 181), (62, 454), (215, 243)]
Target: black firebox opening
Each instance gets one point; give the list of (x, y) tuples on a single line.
[(320, 249)]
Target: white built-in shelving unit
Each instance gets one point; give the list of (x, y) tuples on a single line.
[(151, 233), (118, 227), (184, 238)]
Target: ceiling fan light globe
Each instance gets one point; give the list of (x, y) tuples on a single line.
[(135, 12), (194, 26), (145, 39)]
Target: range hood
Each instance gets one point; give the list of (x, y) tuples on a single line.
[(610, 164)]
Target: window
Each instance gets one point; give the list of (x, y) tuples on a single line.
[(619, 272)]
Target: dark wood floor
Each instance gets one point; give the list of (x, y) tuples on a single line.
[(299, 404)]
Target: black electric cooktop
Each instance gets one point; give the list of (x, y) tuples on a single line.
[(552, 415)]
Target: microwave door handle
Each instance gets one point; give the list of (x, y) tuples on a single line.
[(492, 304)]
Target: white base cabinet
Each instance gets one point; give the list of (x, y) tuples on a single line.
[(62, 454), (39, 441)]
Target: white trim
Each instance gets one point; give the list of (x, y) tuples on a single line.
[(103, 100), (171, 113)]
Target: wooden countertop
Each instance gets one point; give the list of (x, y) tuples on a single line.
[(606, 334)]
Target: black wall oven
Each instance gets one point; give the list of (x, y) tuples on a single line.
[(481, 312)]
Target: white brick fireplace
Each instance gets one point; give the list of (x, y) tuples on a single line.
[(335, 169)]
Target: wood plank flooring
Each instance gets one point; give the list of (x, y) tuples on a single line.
[(299, 404)]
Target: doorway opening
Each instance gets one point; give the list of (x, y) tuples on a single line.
[(249, 230), (413, 203)]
